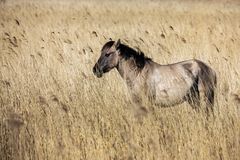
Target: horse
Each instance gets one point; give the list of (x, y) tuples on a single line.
[(163, 85)]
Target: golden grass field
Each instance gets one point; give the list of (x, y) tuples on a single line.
[(53, 107)]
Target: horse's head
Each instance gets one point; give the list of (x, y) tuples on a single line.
[(108, 59)]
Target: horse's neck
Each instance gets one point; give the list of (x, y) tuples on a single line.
[(128, 70)]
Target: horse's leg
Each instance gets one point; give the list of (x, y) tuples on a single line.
[(209, 99), (193, 98), (151, 94), (139, 110), (208, 96)]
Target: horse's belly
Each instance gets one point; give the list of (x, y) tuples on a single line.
[(169, 97)]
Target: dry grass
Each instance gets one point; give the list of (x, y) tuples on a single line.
[(52, 106)]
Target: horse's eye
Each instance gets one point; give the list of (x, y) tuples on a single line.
[(108, 54)]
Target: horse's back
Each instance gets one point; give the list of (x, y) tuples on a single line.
[(181, 69)]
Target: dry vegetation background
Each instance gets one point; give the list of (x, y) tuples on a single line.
[(53, 107)]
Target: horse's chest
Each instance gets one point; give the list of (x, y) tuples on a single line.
[(137, 87)]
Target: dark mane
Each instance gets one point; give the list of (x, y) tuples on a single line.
[(139, 57), (126, 52)]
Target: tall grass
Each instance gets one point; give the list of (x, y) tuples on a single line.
[(53, 107)]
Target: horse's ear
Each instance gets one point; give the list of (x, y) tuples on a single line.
[(117, 44)]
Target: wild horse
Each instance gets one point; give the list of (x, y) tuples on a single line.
[(163, 85)]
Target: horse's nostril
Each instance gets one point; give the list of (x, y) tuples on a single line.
[(97, 72)]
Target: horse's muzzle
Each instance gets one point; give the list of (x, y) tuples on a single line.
[(97, 72)]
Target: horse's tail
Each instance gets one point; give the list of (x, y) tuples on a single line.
[(207, 83)]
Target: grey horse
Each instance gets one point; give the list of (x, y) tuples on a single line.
[(163, 85)]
